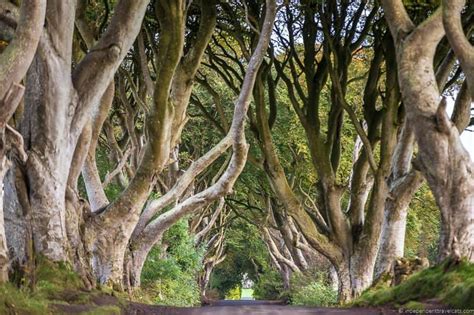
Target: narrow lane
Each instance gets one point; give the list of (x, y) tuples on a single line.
[(253, 307)]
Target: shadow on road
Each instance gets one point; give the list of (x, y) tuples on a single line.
[(246, 303), (227, 307)]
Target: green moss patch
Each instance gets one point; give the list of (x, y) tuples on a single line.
[(58, 282), (104, 310), (450, 283), (16, 301), (58, 290)]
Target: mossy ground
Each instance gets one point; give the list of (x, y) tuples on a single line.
[(450, 283), (57, 290), (18, 301)]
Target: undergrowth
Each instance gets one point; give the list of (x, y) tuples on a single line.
[(449, 283), (54, 284)]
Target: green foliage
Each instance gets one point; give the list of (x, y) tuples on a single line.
[(246, 254), (16, 301), (315, 294), (224, 279), (312, 288), (423, 223), (234, 293), (181, 290), (170, 278), (451, 284), (269, 286), (56, 281)]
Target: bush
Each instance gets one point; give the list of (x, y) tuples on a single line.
[(16, 301), (170, 278), (315, 294), (180, 291), (234, 294), (312, 288), (451, 283), (269, 286)]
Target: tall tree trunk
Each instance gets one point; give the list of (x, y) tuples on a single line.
[(14, 62), (135, 261), (403, 183), (49, 146), (345, 283), (4, 261), (392, 243), (58, 105), (444, 161), (16, 215)]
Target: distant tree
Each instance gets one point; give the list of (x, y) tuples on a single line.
[(355, 218)]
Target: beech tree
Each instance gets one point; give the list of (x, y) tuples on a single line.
[(14, 62), (326, 230), (379, 189), (149, 231), (58, 102), (345, 114), (444, 162), (63, 227)]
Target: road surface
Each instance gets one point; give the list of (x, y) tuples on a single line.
[(253, 307)]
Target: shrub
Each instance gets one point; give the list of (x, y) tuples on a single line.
[(16, 301), (170, 278), (315, 294), (180, 291), (312, 288), (269, 286), (451, 283), (234, 294)]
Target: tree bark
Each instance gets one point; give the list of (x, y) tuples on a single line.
[(90, 173), (4, 260), (458, 40), (444, 162), (57, 106), (151, 231), (122, 215), (14, 62), (392, 241)]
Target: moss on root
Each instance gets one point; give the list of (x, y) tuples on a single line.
[(58, 288), (451, 283), (57, 281), (104, 310), (17, 301)]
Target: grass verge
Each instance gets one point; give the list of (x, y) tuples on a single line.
[(449, 283)]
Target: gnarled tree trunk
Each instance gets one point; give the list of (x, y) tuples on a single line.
[(14, 62), (443, 160), (57, 106), (148, 231)]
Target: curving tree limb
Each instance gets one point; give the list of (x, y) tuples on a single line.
[(459, 42)]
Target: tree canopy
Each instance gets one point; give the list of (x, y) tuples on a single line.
[(302, 145)]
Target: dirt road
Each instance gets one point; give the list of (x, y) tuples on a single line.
[(252, 307)]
